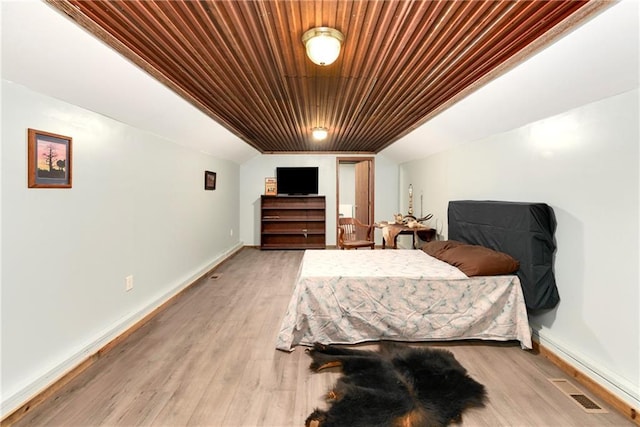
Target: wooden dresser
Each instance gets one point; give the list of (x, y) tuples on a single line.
[(292, 222)]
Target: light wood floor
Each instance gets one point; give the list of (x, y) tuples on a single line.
[(209, 359)]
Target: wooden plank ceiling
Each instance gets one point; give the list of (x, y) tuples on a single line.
[(243, 62)]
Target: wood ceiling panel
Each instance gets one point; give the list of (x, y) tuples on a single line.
[(243, 62)]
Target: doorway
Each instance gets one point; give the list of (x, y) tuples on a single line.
[(355, 189)]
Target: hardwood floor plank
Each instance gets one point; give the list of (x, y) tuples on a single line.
[(209, 359)]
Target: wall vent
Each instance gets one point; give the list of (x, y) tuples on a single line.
[(577, 396)]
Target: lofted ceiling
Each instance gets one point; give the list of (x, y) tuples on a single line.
[(243, 62)]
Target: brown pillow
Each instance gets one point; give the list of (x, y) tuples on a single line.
[(476, 260), (436, 247)]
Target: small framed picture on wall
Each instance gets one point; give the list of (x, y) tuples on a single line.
[(49, 160), (209, 180)]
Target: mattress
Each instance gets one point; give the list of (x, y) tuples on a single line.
[(348, 297)]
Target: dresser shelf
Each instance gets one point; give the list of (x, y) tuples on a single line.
[(292, 222)]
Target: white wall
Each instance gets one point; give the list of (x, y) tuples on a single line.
[(584, 164), (137, 207), (254, 171)]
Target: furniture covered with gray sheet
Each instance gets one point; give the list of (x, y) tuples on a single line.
[(523, 230)]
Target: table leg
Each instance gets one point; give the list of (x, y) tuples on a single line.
[(394, 243)]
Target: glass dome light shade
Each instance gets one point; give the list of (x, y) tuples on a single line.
[(319, 133), (323, 44)]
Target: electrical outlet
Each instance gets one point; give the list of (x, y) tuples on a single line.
[(128, 283), (231, 232)]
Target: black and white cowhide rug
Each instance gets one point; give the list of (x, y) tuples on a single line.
[(397, 386)]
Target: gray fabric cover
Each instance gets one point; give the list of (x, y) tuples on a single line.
[(523, 230)]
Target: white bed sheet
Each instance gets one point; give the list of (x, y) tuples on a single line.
[(347, 297)]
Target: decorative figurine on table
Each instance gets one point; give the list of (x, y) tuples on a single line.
[(410, 217), (427, 217)]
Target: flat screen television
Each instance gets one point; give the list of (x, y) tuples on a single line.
[(300, 180)]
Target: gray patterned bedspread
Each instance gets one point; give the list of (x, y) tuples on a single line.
[(347, 297)]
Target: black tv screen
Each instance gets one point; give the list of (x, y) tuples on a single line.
[(297, 180)]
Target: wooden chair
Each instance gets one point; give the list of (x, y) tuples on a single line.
[(352, 234)]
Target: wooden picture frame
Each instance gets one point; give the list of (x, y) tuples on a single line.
[(209, 180), (49, 160)]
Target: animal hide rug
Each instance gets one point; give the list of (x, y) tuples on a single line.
[(398, 386)]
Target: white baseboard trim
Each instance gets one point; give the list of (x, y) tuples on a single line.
[(616, 385), (46, 379)]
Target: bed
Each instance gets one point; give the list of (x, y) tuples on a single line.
[(349, 297)]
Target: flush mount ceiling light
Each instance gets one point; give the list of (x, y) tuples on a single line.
[(323, 44), (319, 133)]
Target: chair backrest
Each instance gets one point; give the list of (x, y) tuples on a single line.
[(352, 230)]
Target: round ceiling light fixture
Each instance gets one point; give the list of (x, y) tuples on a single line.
[(319, 133), (323, 44)]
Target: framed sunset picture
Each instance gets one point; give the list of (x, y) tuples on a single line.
[(49, 160)]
